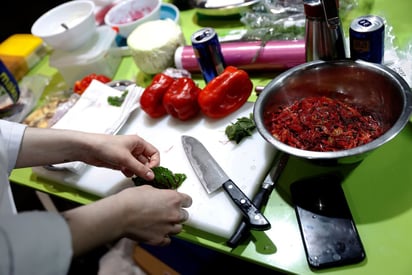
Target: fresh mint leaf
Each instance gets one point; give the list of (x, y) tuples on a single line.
[(242, 128)]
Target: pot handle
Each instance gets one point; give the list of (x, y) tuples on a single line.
[(408, 95)]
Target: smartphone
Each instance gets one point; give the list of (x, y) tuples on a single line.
[(326, 225)]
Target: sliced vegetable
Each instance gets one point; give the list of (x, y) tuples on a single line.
[(81, 85), (323, 124), (225, 93), (243, 127), (180, 100), (151, 100), (164, 179)]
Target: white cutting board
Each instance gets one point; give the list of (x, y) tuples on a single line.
[(245, 163)]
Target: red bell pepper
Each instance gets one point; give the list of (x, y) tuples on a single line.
[(151, 100), (225, 93), (180, 100), (81, 85)]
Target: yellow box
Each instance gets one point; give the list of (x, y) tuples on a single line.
[(20, 52)]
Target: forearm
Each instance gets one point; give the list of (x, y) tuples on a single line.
[(95, 224), (48, 146)]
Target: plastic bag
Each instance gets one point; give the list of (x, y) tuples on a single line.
[(31, 89), (51, 109), (399, 60), (281, 19)]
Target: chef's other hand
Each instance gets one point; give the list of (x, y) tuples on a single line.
[(158, 214), (144, 214)]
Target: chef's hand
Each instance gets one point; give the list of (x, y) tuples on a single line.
[(130, 154), (158, 214), (144, 214)]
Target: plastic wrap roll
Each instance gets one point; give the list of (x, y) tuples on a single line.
[(250, 55)]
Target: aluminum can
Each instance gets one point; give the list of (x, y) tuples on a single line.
[(206, 46), (366, 38), (9, 88)]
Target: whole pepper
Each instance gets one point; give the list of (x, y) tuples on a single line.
[(180, 100), (81, 85), (225, 93), (151, 100)]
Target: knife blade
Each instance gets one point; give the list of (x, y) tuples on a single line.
[(261, 197), (212, 177)]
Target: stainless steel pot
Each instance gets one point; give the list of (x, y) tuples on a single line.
[(374, 86)]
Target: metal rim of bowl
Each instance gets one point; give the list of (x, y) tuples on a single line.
[(313, 155), (120, 84)]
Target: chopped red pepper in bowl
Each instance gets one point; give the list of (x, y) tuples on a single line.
[(333, 112), (323, 124)]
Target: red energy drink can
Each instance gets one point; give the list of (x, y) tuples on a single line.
[(208, 53), (366, 38)]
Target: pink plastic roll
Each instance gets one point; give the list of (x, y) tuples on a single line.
[(250, 55)]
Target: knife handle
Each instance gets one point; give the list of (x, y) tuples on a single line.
[(261, 198), (243, 231), (256, 220)]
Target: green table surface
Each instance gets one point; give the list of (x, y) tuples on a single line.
[(378, 190)]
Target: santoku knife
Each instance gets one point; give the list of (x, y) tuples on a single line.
[(212, 177)]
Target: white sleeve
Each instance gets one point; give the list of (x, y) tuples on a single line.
[(30, 242), (12, 134), (34, 242)]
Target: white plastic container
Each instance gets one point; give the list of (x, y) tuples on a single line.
[(99, 55)]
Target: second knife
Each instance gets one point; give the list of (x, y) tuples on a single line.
[(261, 197)]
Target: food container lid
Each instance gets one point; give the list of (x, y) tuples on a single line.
[(94, 49)]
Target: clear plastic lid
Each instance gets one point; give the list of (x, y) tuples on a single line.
[(94, 49)]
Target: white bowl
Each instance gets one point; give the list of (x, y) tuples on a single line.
[(169, 11), (128, 14), (67, 26)]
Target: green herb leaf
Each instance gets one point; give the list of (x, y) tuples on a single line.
[(164, 179), (242, 128), (117, 100)]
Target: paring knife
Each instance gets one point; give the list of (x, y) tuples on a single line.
[(212, 177), (261, 197)]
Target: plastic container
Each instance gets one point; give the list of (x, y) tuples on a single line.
[(99, 55), (21, 52)]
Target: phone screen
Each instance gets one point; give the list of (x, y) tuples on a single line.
[(328, 231)]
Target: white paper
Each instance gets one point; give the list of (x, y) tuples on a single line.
[(92, 113)]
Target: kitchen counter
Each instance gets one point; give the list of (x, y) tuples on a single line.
[(378, 190)]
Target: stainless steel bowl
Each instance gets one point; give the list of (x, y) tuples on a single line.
[(374, 86)]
